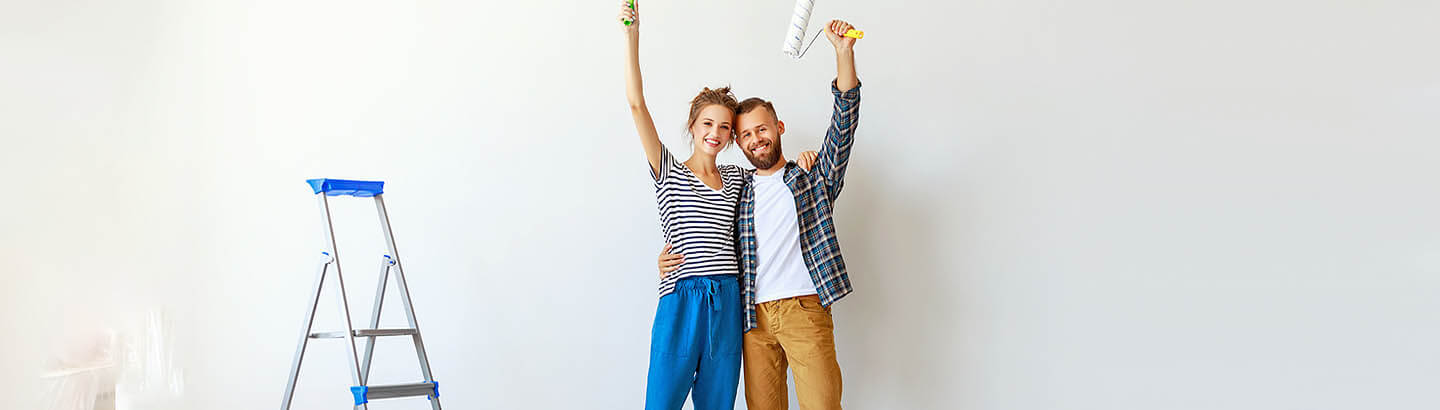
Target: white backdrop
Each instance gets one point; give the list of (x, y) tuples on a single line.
[(1051, 205)]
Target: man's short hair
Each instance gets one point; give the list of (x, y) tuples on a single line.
[(750, 104)]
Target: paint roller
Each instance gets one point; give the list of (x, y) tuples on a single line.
[(796, 34)]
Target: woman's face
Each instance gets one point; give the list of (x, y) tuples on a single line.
[(713, 129)]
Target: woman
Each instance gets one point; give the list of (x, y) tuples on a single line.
[(695, 340)]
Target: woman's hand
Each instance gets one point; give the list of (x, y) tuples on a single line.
[(630, 12), (807, 160), (669, 262)]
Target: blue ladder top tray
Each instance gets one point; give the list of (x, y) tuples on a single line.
[(338, 187)]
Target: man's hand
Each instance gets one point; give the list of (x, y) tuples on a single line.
[(807, 160), (669, 262), (845, 78), (836, 33)]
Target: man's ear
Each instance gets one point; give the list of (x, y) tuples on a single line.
[(779, 127)]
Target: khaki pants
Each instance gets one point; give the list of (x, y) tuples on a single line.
[(795, 333)]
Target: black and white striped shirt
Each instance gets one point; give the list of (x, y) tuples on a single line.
[(698, 221)]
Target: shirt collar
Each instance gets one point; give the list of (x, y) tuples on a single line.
[(790, 169)]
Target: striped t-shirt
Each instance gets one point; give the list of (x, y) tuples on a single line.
[(698, 221)]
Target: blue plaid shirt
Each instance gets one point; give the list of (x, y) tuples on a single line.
[(815, 194)]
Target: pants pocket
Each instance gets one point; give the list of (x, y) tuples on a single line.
[(811, 303), (673, 330)]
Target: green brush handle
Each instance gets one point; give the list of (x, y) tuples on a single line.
[(632, 7)]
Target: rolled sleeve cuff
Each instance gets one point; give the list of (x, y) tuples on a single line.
[(852, 94)]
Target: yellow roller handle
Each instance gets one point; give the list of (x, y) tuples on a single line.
[(853, 33)]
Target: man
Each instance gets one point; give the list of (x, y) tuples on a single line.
[(791, 269)]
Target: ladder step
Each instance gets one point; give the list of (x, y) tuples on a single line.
[(364, 394), (337, 187), (383, 332), (363, 333)]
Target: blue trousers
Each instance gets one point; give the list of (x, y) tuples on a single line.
[(695, 345)]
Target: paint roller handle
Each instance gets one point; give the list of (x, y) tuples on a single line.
[(856, 34)]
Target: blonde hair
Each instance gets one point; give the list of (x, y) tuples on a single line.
[(719, 96)]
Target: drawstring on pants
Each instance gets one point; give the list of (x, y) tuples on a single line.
[(710, 289)]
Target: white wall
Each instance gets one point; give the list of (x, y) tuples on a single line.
[(1051, 205)]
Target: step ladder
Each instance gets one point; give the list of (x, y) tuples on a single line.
[(362, 391)]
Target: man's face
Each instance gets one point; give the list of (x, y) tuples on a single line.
[(758, 135)]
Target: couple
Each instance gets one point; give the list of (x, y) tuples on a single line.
[(787, 263)]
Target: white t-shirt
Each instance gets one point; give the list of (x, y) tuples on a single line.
[(780, 269)]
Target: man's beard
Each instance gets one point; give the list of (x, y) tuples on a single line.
[(766, 160)]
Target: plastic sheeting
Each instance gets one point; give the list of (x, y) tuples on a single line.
[(132, 369)]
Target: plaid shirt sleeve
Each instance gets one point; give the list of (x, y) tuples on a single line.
[(834, 154)]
